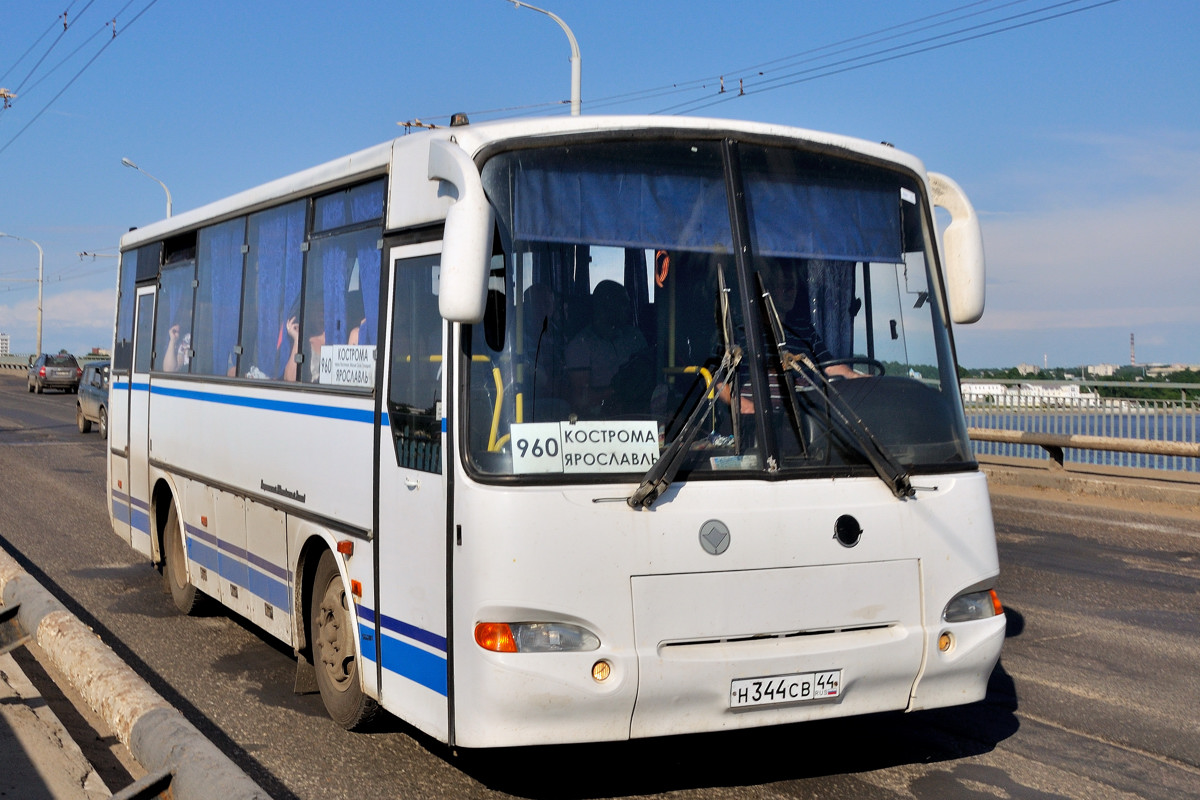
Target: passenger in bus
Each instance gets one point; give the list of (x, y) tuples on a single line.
[(179, 350), (596, 356), (292, 328), (315, 320)]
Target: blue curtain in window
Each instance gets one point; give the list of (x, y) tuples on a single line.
[(281, 233), (369, 257), (174, 308), (839, 221), (830, 295), (176, 282), (338, 257), (335, 275), (367, 204), (221, 248), (621, 209)]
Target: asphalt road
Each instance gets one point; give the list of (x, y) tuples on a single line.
[(1097, 694)]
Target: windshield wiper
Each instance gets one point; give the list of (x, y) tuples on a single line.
[(660, 476), (850, 424)]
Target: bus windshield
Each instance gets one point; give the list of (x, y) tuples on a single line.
[(628, 272)]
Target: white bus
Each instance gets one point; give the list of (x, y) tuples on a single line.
[(571, 430)]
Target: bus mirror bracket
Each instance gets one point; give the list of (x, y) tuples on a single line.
[(467, 240), (962, 250)]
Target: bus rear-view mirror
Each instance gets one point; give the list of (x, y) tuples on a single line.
[(467, 241), (962, 250)]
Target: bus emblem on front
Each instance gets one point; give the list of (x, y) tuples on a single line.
[(714, 537)]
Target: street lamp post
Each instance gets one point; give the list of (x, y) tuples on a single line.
[(576, 60), (132, 165), (41, 261)]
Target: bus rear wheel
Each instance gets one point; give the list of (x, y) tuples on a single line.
[(332, 636), (187, 597)]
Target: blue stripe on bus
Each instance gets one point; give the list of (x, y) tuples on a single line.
[(352, 415), (286, 406), (255, 560), (404, 629), (132, 512), (139, 521), (409, 661), (222, 557)]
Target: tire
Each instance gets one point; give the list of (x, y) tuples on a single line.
[(83, 422), (333, 650), (103, 422), (188, 599)]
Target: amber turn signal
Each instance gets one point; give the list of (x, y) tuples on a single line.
[(495, 636)]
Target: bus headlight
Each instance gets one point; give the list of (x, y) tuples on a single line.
[(534, 637), (973, 605)]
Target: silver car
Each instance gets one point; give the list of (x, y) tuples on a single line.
[(54, 371), (92, 403)]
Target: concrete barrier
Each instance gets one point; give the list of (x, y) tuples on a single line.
[(157, 735), (1151, 486)]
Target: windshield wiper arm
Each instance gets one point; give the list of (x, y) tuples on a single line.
[(887, 468), (660, 476)]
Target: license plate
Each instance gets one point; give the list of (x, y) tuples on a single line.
[(799, 687)]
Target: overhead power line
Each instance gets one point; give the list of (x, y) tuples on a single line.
[(36, 42), (84, 68), (857, 52), (876, 57)]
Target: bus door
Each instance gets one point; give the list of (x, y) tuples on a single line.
[(411, 538), (131, 488)]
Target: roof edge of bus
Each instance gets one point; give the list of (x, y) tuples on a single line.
[(474, 138)]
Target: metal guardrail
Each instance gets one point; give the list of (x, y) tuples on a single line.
[(1056, 444), (1034, 420)]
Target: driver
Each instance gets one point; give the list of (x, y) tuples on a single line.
[(800, 336), (784, 285)]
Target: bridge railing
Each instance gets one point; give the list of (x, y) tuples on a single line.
[(1066, 423)]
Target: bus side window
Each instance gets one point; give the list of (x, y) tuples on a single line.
[(415, 382), (218, 295), (173, 327), (271, 292)]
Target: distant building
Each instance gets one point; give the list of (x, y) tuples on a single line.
[(1103, 370), (979, 392), (4, 344), (1028, 369), (1028, 394), (1159, 370)]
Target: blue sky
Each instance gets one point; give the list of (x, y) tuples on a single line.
[(1077, 138)]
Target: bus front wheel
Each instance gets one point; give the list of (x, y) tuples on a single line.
[(332, 635)]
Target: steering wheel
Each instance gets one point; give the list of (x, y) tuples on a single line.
[(876, 366)]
